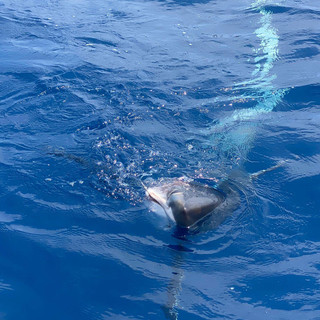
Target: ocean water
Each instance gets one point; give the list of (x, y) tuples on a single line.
[(99, 96)]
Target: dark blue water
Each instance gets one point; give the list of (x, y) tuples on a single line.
[(96, 96)]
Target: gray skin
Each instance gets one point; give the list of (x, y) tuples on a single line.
[(188, 202)]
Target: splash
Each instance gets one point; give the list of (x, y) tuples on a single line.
[(233, 135)]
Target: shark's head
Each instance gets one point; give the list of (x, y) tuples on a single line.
[(176, 202)]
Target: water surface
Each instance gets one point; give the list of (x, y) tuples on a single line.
[(143, 90)]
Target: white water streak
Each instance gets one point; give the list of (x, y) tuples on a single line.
[(234, 134)]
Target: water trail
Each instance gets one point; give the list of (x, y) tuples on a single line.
[(233, 135)]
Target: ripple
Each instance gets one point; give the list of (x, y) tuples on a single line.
[(90, 41), (130, 91)]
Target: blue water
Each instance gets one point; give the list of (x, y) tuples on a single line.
[(97, 96)]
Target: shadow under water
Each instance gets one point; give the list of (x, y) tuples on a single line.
[(174, 287)]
